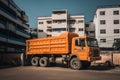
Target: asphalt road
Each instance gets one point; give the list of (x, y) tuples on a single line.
[(57, 73)]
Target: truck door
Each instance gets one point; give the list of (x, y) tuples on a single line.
[(80, 48)]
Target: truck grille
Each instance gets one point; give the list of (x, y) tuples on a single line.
[(96, 53)]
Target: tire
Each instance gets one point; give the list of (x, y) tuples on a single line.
[(44, 62), (34, 61), (75, 64), (108, 63)]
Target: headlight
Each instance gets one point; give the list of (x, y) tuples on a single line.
[(90, 53)]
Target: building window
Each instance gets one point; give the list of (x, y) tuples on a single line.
[(80, 29), (102, 31), (116, 31), (49, 22), (102, 12), (72, 21), (92, 32), (49, 35), (59, 21), (116, 39), (3, 22), (40, 22), (58, 29), (72, 29), (116, 12), (80, 21), (35, 30), (102, 40), (49, 30), (40, 30), (116, 21), (49, 26), (102, 22)]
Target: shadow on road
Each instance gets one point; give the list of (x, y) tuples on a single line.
[(101, 68), (98, 67), (5, 66)]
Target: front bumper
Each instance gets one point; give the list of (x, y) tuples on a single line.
[(95, 58), (91, 59)]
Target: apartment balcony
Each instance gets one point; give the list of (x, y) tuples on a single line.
[(25, 18), (13, 8), (49, 27), (2, 26), (4, 1), (18, 12), (3, 38), (59, 25), (25, 26), (22, 33), (10, 17), (16, 41), (11, 28), (10, 5), (59, 16), (12, 40)]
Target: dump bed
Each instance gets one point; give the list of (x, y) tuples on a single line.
[(51, 45)]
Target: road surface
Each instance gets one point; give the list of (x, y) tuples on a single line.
[(57, 73)]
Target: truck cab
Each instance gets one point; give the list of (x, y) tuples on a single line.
[(86, 50)]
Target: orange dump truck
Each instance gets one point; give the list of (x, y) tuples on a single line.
[(68, 48)]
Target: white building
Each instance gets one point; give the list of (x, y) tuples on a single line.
[(60, 21), (107, 25)]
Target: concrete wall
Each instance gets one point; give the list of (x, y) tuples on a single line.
[(12, 59)]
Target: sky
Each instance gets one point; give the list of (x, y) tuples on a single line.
[(36, 8)]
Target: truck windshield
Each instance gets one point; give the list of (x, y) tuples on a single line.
[(92, 42)]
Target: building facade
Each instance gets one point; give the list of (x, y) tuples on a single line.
[(60, 21), (13, 28), (33, 33), (107, 25), (90, 29)]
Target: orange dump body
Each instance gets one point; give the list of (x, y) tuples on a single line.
[(51, 45)]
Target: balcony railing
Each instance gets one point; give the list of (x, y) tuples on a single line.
[(21, 30), (59, 16), (3, 38), (19, 40), (2, 24), (22, 34), (8, 12), (12, 17), (16, 41), (4, 1), (25, 17)]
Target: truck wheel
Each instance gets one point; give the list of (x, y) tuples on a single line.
[(108, 63), (44, 62), (75, 64), (34, 61)]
